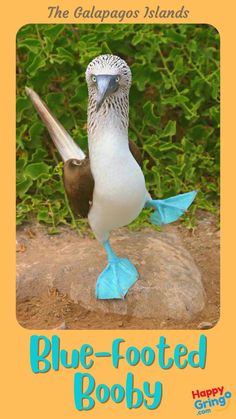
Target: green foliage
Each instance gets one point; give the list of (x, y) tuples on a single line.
[(174, 108)]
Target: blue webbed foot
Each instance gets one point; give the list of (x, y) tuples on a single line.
[(170, 209), (116, 279)]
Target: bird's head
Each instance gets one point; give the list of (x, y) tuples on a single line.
[(108, 76)]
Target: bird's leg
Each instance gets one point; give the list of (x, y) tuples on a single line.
[(170, 209), (118, 276)]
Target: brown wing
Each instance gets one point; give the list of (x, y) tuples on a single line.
[(136, 152), (79, 182), (79, 185)]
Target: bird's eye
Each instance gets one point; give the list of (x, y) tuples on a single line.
[(117, 78), (94, 79)]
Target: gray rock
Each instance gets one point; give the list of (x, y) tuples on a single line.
[(169, 286)]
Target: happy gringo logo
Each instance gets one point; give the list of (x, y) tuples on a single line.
[(211, 400)]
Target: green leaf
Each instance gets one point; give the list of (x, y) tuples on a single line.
[(37, 63), (169, 130), (175, 36), (168, 147), (200, 132), (53, 31), (43, 215), (105, 48), (20, 134), (150, 116), (35, 134), (36, 170), (33, 45), (20, 164), (39, 155), (23, 186), (55, 100), (137, 38), (64, 55), (22, 104), (176, 100)]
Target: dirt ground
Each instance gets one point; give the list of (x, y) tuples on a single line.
[(53, 310)]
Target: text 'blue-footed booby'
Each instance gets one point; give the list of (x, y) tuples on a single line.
[(109, 186)]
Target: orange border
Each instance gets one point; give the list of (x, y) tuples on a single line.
[(51, 395)]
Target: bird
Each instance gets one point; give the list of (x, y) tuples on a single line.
[(108, 186)]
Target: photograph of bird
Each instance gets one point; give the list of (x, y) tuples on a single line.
[(108, 185)]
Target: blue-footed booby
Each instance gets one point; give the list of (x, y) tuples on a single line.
[(109, 186)]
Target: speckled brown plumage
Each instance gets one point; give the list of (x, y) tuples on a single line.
[(79, 182)]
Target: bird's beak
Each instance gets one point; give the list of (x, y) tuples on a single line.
[(106, 85)]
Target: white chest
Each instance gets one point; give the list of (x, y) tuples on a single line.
[(120, 191), (116, 172)]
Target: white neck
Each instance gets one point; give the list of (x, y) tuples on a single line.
[(108, 126)]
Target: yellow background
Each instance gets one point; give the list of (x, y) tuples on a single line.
[(26, 395)]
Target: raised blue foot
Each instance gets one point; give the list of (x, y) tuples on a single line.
[(116, 279), (170, 209)]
